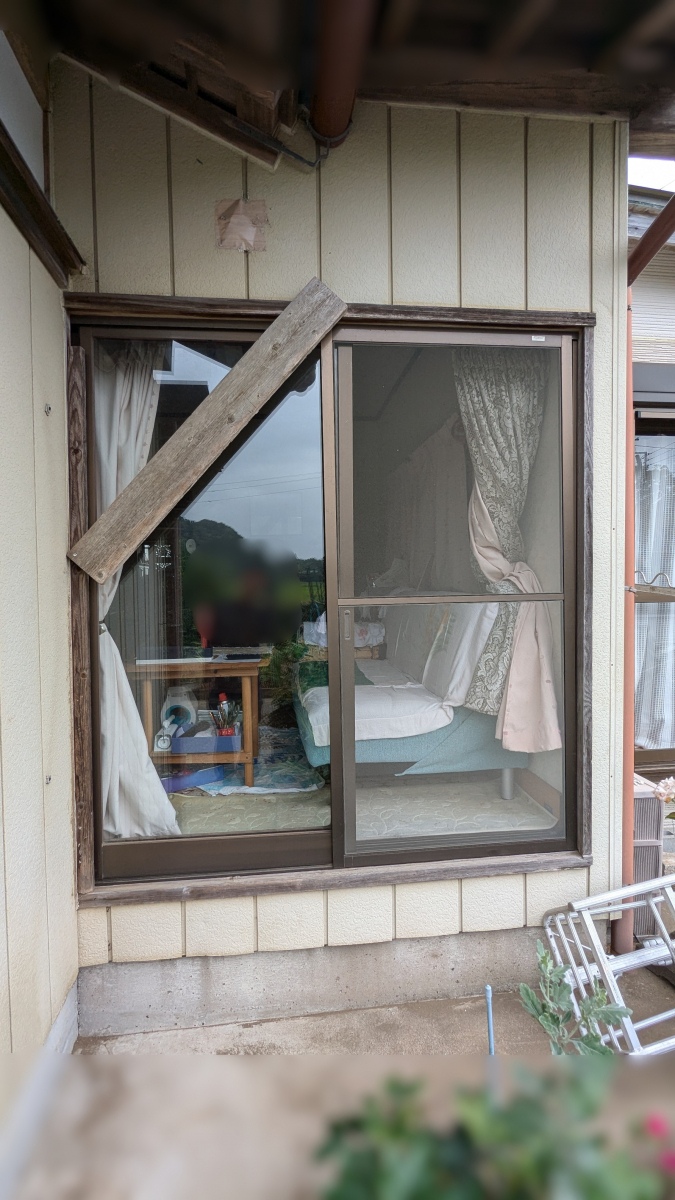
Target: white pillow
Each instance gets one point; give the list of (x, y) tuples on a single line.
[(457, 647)]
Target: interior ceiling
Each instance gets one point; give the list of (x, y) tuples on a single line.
[(253, 60)]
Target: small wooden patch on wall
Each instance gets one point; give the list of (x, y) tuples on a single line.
[(240, 224)]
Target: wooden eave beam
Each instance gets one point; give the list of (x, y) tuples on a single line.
[(191, 109), (652, 240), (194, 110), (210, 429), (23, 199)]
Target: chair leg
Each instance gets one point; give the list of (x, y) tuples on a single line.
[(507, 783)]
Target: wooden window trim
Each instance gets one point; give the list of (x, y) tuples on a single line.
[(330, 879), (146, 311)]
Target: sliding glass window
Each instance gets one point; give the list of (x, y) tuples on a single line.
[(455, 600)]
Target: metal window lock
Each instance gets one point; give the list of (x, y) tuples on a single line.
[(347, 626)]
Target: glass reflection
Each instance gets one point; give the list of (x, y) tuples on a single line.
[(213, 627)]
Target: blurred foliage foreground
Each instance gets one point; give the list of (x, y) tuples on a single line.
[(535, 1142)]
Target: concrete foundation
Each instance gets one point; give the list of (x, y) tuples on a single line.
[(186, 993)]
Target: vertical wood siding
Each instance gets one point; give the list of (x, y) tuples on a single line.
[(424, 206), (419, 206), (38, 937), (492, 165), (202, 173)]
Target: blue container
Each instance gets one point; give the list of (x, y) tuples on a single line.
[(191, 779), (206, 745)]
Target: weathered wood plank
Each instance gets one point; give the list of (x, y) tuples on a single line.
[(79, 615), (314, 880), (208, 431)]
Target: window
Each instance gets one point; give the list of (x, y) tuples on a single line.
[(354, 640), (654, 569)]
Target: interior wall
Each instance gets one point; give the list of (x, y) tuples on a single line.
[(419, 206), (38, 924)]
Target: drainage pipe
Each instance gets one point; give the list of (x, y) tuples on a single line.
[(345, 30), (622, 930)]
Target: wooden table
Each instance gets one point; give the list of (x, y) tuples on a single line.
[(203, 668)]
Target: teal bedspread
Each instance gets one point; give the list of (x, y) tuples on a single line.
[(468, 743)]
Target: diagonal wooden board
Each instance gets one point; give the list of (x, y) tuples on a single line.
[(208, 431)]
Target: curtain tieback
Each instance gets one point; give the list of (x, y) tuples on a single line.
[(102, 628)]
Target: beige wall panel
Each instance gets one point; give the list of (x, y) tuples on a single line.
[(202, 173), (92, 932), (219, 927), (51, 504), (609, 303), (424, 206), (360, 915), (492, 210), (292, 237), (5, 1021), (20, 749), (355, 211), (558, 214), (493, 903), (553, 889), (71, 163), (146, 932), (291, 921), (427, 909), (132, 197)]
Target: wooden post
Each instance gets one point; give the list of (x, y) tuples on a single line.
[(80, 618)]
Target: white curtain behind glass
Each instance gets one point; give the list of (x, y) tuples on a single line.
[(655, 623), (126, 394)]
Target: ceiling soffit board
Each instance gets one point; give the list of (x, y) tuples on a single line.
[(218, 420)]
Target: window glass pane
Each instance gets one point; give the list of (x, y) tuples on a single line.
[(456, 731), (655, 562), (215, 625), (457, 470)]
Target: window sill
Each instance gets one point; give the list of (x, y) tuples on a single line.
[(327, 879)]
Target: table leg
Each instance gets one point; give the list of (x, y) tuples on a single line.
[(247, 708), (147, 712)]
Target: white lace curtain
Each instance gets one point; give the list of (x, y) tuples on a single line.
[(501, 395), (655, 623), (134, 801)]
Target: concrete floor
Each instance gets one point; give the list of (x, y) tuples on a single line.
[(445, 1027)]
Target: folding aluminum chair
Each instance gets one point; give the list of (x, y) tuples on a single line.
[(576, 944)]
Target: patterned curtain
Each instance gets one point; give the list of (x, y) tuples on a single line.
[(501, 399)]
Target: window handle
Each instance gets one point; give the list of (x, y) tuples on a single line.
[(347, 624)]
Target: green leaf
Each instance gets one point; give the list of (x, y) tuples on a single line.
[(530, 1000)]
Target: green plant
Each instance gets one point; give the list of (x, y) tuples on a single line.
[(537, 1143), (277, 676), (555, 1012)]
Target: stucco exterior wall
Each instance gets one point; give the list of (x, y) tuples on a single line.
[(419, 206), (38, 926)]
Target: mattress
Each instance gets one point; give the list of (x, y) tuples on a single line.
[(467, 744), (394, 706)]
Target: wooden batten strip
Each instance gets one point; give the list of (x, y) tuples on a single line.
[(79, 609), (217, 421)]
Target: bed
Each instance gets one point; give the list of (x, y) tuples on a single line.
[(409, 706)]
